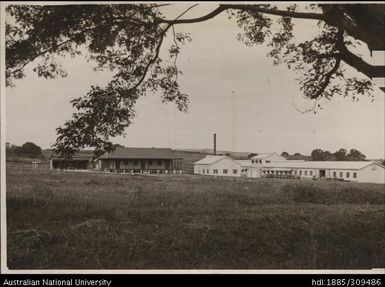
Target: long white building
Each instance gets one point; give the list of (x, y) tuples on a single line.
[(273, 165), (359, 171)]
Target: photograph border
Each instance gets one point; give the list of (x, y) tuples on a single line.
[(6, 270)]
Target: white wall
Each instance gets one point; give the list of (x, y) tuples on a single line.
[(220, 166), (306, 172), (342, 174), (254, 172), (198, 168), (372, 173), (329, 173), (226, 164)]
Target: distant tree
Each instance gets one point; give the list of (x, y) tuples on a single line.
[(341, 154), (285, 154), (317, 155), (30, 149), (12, 150), (297, 154), (355, 155), (328, 155)]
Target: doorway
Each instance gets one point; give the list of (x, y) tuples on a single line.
[(322, 173)]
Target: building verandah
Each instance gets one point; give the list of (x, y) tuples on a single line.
[(157, 166)]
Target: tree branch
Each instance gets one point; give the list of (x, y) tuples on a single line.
[(212, 14), (41, 53), (328, 76), (157, 51), (359, 64), (308, 110), (284, 13), (255, 8)]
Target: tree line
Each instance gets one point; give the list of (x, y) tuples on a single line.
[(28, 149), (340, 155)]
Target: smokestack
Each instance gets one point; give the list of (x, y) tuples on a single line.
[(215, 144)]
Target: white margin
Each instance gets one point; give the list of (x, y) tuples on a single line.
[(3, 266), (3, 222)]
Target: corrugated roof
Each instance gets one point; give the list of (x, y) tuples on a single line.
[(263, 155), (319, 164), (209, 159), (244, 162), (139, 153)]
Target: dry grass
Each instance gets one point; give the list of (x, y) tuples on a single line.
[(88, 220)]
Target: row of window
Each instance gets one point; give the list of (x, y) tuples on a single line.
[(215, 171), (150, 162), (259, 161), (347, 174), (277, 172), (305, 173)]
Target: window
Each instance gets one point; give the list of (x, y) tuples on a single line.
[(203, 170), (354, 175), (135, 162), (311, 172), (208, 171), (225, 171), (305, 172), (268, 161), (347, 174), (159, 161), (252, 161), (215, 171), (341, 174), (295, 172), (235, 171), (334, 174), (300, 172)]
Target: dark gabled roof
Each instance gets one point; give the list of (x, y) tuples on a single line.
[(139, 153)]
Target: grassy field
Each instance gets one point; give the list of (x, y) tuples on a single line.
[(88, 220)]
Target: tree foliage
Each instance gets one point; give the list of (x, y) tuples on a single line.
[(285, 154), (127, 39), (28, 149), (340, 155)]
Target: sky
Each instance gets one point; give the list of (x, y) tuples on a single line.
[(234, 91)]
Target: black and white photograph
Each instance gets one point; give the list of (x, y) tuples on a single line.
[(193, 136)]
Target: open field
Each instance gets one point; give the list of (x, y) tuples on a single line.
[(89, 220)]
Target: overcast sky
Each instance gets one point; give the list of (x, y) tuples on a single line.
[(235, 92)]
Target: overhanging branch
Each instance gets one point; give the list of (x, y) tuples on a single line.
[(255, 8)]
